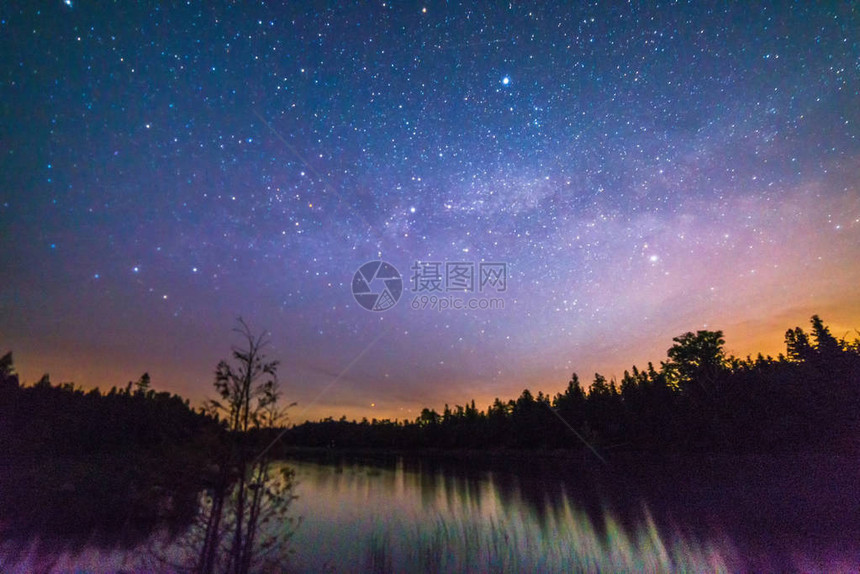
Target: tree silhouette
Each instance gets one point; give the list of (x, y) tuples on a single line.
[(826, 345), (798, 347), (571, 404), (249, 394), (8, 378), (696, 358), (142, 386)]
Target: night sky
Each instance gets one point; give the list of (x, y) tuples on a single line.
[(637, 172)]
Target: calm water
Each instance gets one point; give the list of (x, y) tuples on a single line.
[(399, 514), (396, 514)]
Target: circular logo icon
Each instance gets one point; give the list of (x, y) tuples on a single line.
[(377, 286)]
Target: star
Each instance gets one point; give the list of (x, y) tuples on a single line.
[(616, 162)]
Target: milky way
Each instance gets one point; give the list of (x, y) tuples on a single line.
[(638, 172)]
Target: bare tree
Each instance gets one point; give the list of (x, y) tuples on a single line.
[(245, 488)]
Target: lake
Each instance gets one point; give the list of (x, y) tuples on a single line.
[(540, 514), (363, 513)]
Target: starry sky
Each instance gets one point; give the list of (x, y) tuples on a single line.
[(639, 171)]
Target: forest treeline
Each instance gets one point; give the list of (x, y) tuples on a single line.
[(64, 419), (85, 467), (698, 400)]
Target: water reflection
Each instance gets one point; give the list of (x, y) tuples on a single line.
[(65, 513), (390, 513), (419, 515), (396, 514)]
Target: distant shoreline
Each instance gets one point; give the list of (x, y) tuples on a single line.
[(619, 459)]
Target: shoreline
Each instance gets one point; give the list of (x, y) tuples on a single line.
[(618, 459)]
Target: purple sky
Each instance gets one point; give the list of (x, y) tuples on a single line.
[(641, 172)]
